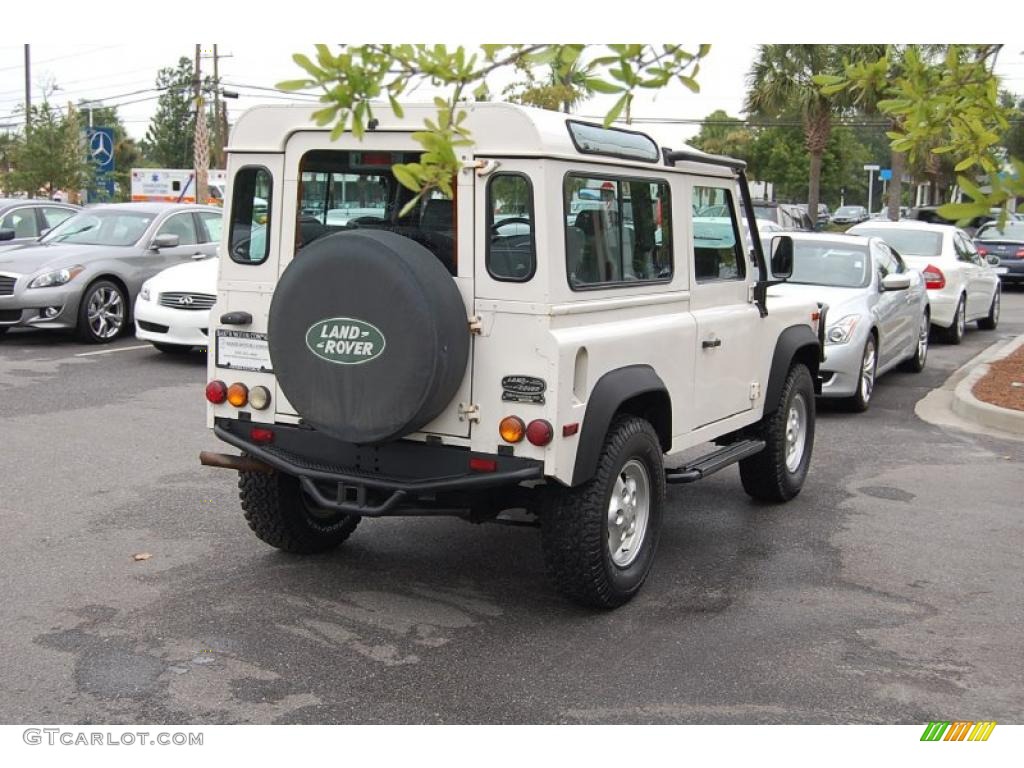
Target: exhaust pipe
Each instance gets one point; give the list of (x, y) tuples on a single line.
[(237, 463)]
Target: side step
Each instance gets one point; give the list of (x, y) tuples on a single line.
[(720, 459)]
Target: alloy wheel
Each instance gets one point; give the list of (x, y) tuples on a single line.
[(628, 512)]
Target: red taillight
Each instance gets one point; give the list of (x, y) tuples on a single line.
[(261, 435), (539, 432), (483, 465), (217, 392), (982, 250), (933, 278), (570, 429), (1020, 254)]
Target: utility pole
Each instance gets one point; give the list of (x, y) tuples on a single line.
[(201, 150), (218, 139), (28, 91)]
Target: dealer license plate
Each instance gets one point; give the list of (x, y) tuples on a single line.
[(243, 351)]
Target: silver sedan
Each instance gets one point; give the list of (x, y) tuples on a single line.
[(85, 273), (878, 312)]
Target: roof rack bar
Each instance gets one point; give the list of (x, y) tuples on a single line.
[(673, 156)]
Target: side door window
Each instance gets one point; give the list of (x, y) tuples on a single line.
[(23, 222), (182, 225), (717, 246), (54, 216), (511, 243), (212, 225)]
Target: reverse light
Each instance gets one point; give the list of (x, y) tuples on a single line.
[(238, 394), (540, 432), (934, 280), (217, 392), (512, 429), (259, 398), (56, 277), (841, 331)]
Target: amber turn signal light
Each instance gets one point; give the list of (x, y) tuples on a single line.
[(238, 394), (512, 429)]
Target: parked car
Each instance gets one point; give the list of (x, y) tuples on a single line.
[(877, 310), (930, 214), (84, 274), (172, 311), (850, 214), (962, 286), (1006, 244), (24, 221), (787, 216)]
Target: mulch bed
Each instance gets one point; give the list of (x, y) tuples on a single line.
[(997, 386)]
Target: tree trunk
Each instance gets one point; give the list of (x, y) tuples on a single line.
[(814, 187), (896, 185)]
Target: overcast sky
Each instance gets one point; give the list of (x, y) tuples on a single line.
[(124, 74)]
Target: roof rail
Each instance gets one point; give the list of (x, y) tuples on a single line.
[(672, 156)]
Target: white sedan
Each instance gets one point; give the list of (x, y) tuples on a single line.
[(173, 308), (962, 286)]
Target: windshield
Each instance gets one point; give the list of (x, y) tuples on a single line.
[(906, 242), (768, 213), (836, 265), (118, 227), (1010, 232)]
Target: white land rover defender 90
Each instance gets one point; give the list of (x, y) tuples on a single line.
[(588, 302)]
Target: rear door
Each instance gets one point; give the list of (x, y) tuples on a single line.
[(350, 185)]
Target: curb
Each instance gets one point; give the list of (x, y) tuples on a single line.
[(966, 405)]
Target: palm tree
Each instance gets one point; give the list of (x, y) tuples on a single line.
[(781, 82)]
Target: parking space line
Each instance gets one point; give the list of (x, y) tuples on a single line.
[(111, 351)]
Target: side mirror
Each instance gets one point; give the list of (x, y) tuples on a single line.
[(782, 257), (6, 234), (992, 259), (896, 282), (164, 241)]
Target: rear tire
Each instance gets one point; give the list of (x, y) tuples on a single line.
[(955, 333), (778, 472), (281, 515), (989, 323), (599, 539)]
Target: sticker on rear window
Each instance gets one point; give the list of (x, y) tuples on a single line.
[(345, 340)]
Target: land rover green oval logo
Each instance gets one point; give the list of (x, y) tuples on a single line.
[(345, 340)]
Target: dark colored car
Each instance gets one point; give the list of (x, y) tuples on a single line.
[(25, 221), (850, 214), (785, 215), (1007, 244)]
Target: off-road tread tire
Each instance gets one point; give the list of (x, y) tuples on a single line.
[(764, 475), (273, 507), (952, 334), (990, 322), (574, 520)]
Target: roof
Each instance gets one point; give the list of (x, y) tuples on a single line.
[(827, 237), (907, 224), (146, 207), (9, 201), (497, 128)]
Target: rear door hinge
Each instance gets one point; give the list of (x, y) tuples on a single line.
[(755, 390), (482, 167), (469, 412), (476, 325)]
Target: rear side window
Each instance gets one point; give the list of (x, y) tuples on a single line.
[(617, 231), (250, 215), (717, 248), (213, 222), (511, 243)]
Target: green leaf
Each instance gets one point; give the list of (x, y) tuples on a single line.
[(616, 110), (601, 86), (690, 83), (704, 50), (963, 165), (406, 179), (396, 107), (294, 85), (304, 62)]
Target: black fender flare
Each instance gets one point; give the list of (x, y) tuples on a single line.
[(796, 342), (638, 383)]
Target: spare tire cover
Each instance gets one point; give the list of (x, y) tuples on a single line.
[(368, 335)]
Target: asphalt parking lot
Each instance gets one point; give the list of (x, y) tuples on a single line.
[(887, 592)]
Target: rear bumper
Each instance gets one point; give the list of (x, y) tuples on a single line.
[(374, 481), (1014, 270), (943, 307)]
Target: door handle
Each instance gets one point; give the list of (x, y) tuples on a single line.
[(711, 343)]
